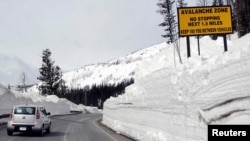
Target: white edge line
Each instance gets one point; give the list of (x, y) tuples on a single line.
[(104, 131)]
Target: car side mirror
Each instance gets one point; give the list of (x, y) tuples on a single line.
[(48, 113)]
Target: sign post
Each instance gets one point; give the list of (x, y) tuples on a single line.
[(225, 43), (188, 47), (198, 42), (211, 20)]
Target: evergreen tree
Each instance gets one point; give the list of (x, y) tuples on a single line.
[(243, 16), (220, 2), (62, 88), (181, 3), (96, 95), (51, 76), (217, 3), (166, 9), (203, 2)]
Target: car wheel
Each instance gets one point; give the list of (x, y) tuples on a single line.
[(40, 133), (48, 129), (10, 133)]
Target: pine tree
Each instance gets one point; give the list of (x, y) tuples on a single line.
[(166, 9), (51, 76), (181, 3), (203, 2), (217, 3), (243, 16), (220, 2), (62, 88)]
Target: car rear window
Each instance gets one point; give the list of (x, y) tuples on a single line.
[(25, 110)]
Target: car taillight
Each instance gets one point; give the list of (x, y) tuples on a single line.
[(11, 116), (37, 114)]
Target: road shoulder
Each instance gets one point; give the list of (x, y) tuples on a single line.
[(109, 131)]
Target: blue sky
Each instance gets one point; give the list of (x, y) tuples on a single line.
[(78, 32)]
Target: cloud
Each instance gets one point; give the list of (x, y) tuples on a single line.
[(78, 32)]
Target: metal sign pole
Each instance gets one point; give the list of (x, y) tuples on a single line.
[(188, 47), (198, 42), (225, 42)]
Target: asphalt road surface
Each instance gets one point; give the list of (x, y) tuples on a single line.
[(80, 127)]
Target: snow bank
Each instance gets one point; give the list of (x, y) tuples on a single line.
[(52, 103), (177, 103)]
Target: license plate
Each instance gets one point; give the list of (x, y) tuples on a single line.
[(22, 128)]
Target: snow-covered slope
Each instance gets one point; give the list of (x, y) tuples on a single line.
[(12, 68), (111, 72), (177, 103)]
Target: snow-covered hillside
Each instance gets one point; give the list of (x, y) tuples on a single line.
[(177, 103), (11, 71), (112, 72)]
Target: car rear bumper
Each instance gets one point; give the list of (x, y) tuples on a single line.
[(23, 127)]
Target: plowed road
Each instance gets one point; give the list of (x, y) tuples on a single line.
[(80, 127)]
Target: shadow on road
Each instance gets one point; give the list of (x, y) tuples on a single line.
[(30, 134)]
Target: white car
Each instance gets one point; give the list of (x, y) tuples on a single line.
[(29, 118)]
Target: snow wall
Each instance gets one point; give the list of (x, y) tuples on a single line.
[(53, 104), (177, 103)]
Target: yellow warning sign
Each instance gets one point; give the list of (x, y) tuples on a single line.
[(204, 20)]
